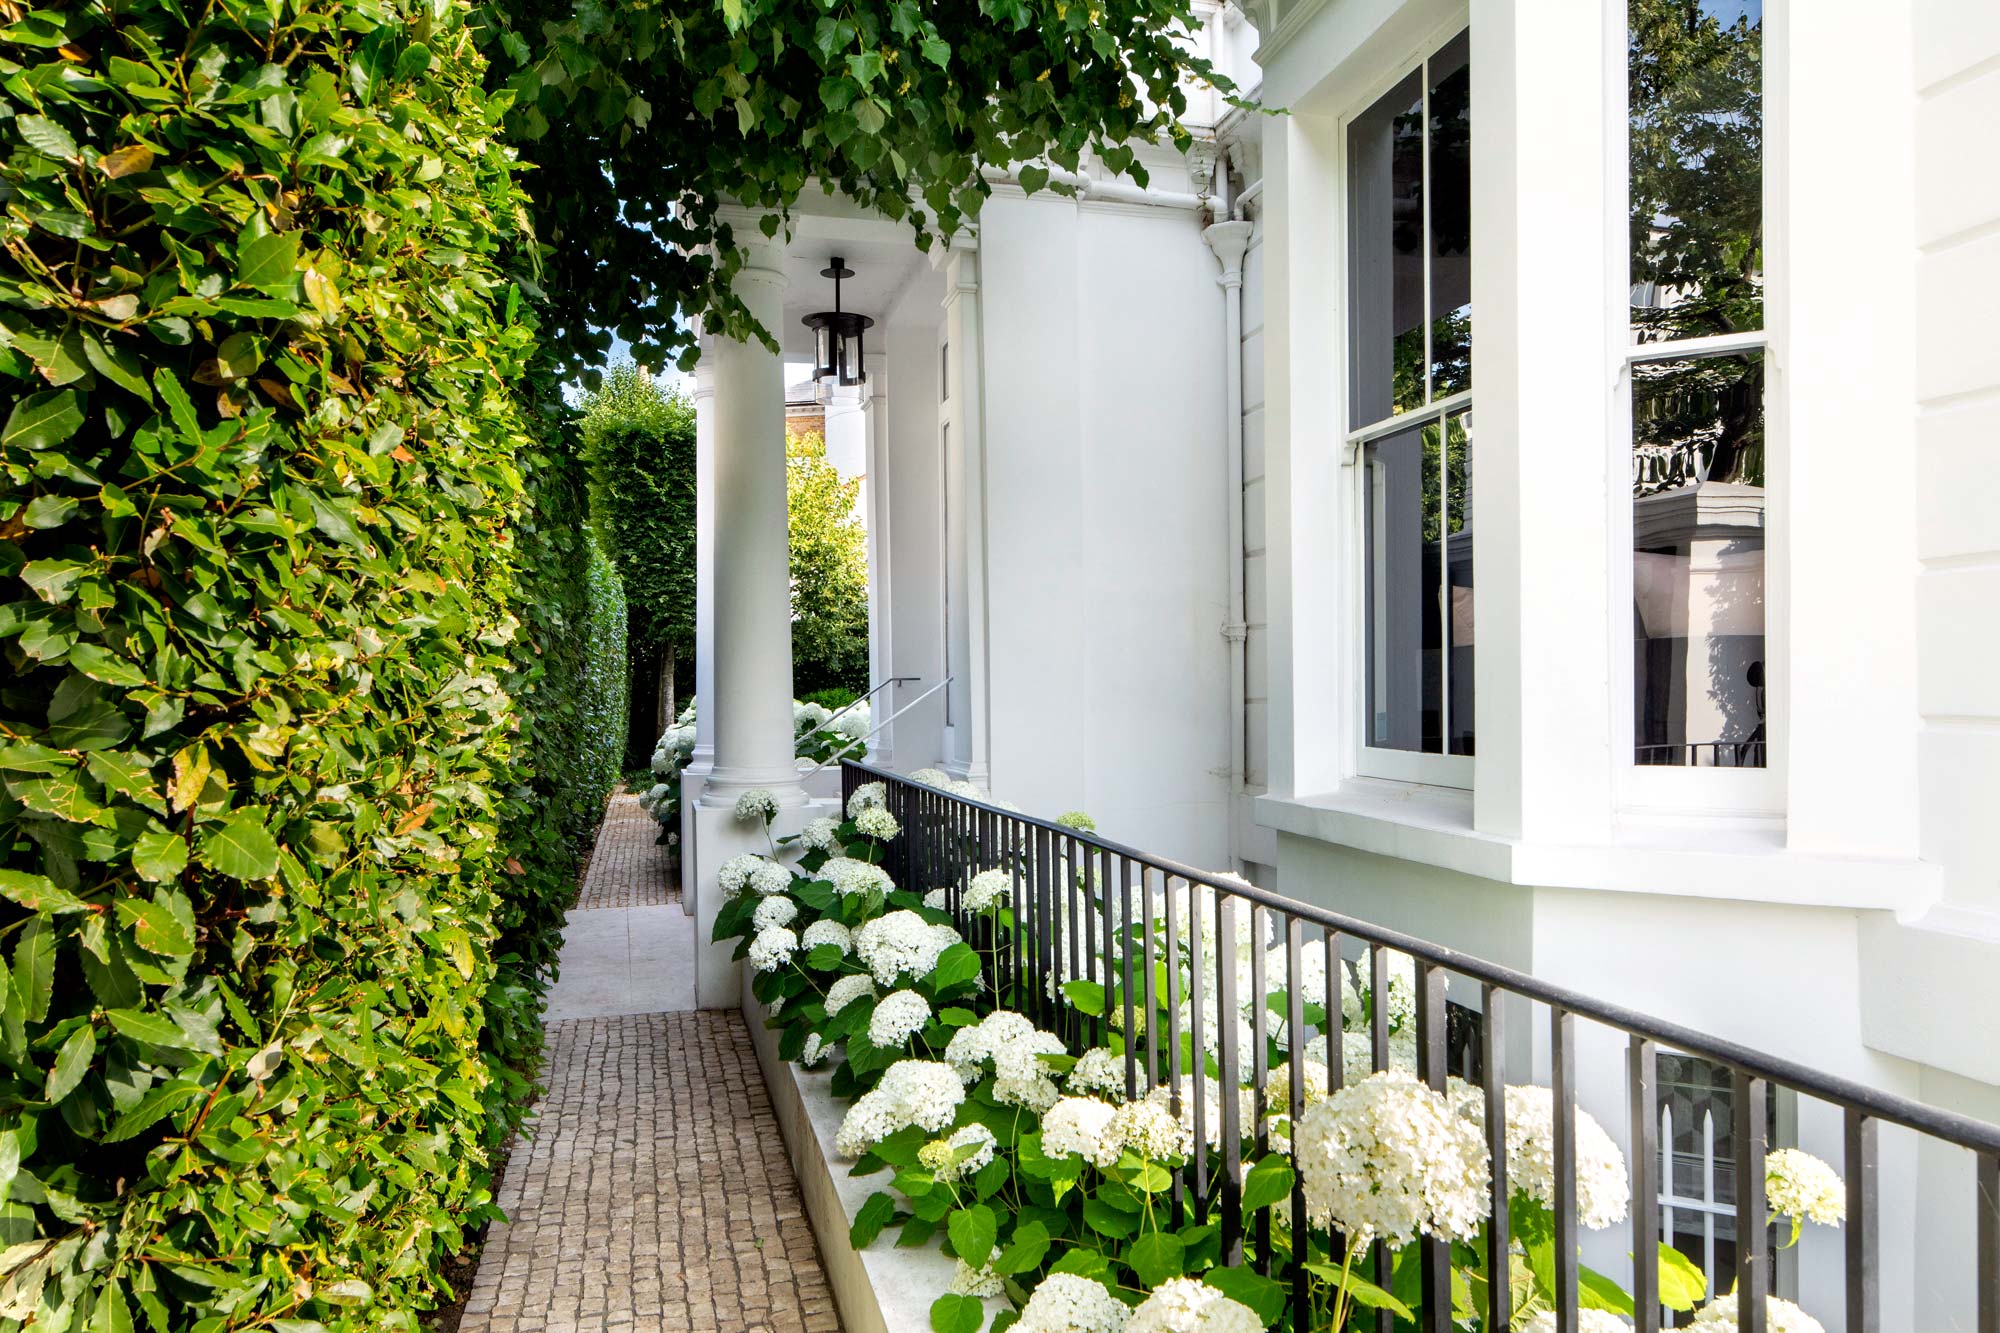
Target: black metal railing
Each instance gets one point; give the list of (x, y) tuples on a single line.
[(1078, 898)]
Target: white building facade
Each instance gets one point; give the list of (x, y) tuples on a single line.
[(1176, 487)]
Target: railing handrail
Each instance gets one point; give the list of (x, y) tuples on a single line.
[(878, 728), (852, 704), (1950, 1126)]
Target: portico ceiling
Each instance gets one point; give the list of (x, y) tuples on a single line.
[(885, 260)]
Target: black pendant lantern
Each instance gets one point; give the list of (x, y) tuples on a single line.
[(838, 339)]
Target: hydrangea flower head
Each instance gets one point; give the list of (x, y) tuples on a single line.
[(735, 873), (924, 1093), (1800, 1186), (815, 1050), (850, 876), (776, 910), (1098, 1070), (1014, 1047), (772, 948), (897, 1018), (1184, 1305), (769, 877), (901, 943), (868, 796), (1067, 1303), (1587, 1321), (757, 803), (931, 777), (845, 991), (827, 931), (820, 834), (1078, 820), (987, 888), (1780, 1316), (1074, 1127), (876, 822), (982, 1281), (962, 1154), (1602, 1190), (1149, 1129), (1388, 1158)]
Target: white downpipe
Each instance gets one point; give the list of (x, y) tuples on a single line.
[(1230, 240)]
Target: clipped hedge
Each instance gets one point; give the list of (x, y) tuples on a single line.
[(257, 489)]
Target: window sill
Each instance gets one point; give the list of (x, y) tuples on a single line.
[(1693, 857)]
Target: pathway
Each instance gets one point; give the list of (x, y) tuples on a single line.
[(654, 1195)]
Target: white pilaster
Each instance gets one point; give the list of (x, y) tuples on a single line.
[(875, 509), (695, 775)]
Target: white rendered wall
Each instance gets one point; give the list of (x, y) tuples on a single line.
[(1104, 560), (913, 572)]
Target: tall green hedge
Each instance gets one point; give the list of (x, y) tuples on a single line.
[(259, 476)]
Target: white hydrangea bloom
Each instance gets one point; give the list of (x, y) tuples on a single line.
[(1074, 1127), (1014, 1047), (987, 888), (941, 1157), (1602, 1190), (1357, 1054), (776, 910), (846, 990), (1184, 1305), (981, 1282), (656, 793), (1150, 1130), (1587, 1321), (1067, 1303), (899, 1017), (735, 873), (937, 901), (757, 803), (901, 942), (1313, 1080), (814, 1052), (1402, 1003), (1800, 1186), (806, 715), (1389, 1158), (868, 796), (965, 791), (769, 878), (931, 777), (850, 876), (1780, 1316), (827, 931), (855, 723), (1099, 1069), (1277, 982), (876, 822), (1211, 1111), (820, 834), (1211, 1032), (925, 1093), (772, 948)]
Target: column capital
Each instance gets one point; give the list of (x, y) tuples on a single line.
[(763, 256)]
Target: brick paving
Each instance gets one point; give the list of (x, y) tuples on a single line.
[(652, 1193), (627, 869)]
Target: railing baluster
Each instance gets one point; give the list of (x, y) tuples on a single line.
[(1197, 1057), (1102, 1025), (1260, 1071), (1562, 1089), (1173, 971), (1643, 1081), (1336, 1016), (1493, 1079), (1228, 1060), (1434, 1254), (1863, 1227), (1378, 1005), (1751, 1129), (1047, 942), (1295, 1106), (1986, 1195), (1131, 1030), (1073, 924)]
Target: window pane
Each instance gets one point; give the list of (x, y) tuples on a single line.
[(1698, 561), (1458, 577), (1385, 253), (1450, 198), (1405, 668), (1697, 128)]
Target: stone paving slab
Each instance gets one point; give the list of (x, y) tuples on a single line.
[(628, 869), (654, 1193), (626, 960)]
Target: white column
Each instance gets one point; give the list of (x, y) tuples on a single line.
[(875, 507), (695, 776), (965, 560), (752, 686)]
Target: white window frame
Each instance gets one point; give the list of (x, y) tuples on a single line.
[(1370, 761), (1757, 793)]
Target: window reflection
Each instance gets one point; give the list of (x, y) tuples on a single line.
[(1450, 194), (1404, 673), (1697, 203), (1386, 253), (1698, 516)]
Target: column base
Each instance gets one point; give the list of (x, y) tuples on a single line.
[(718, 835)]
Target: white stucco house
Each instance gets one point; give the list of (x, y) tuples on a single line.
[(1175, 487)]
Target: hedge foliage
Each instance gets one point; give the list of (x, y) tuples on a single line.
[(257, 605)]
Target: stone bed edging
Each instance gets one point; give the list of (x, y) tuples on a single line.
[(885, 1288)]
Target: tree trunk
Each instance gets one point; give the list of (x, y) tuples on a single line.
[(667, 710)]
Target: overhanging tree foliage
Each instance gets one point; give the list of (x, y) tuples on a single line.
[(640, 120)]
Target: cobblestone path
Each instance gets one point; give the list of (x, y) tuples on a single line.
[(627, 869), (653, 1195)]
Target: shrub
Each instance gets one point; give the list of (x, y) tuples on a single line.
[(829, 564), (261, 470)]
